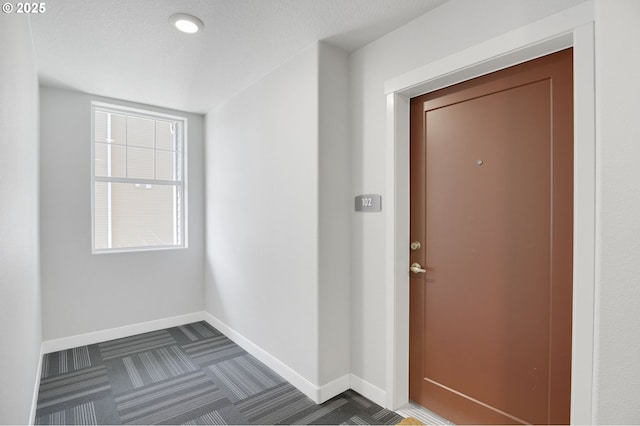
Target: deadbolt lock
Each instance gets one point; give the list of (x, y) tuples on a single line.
[(415, 245)]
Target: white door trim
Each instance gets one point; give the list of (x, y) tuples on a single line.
[(573, 27)]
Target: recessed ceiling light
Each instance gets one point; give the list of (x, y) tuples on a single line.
[(186, 23)]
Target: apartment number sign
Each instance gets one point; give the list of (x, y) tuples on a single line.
[(369, 203)]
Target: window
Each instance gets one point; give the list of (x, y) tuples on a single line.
[(138, 179)]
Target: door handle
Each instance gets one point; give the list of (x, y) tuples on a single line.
[(416, 268)]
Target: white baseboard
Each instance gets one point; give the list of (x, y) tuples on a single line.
[(297, 380), (368, 390), (333, 388), (119, 332), (318, 394), (36, 388)]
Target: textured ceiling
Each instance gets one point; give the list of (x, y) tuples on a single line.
[(126, 49)]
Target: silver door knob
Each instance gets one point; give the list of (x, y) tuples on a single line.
[(416, 268)]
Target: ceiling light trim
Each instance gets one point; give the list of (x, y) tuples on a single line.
[(186, 23)]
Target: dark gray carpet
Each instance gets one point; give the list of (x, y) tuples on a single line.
[(190, 374)]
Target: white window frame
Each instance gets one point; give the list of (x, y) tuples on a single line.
[(153, 115)]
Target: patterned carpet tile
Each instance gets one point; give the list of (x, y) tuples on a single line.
[(173, 401), (224, 416), (275, 405), (131, 345), (329, 413), (341, 410), (65, 389), (198, 331), (191, 374), (67, 361), (213, 350), (385, 417), (243, 376), (81, 414), (370, 410), (146, 368), (94, 412), (355, 420)]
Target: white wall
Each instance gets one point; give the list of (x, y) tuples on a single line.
[(447, 29), (20, 321), (262, 212), (85, 293), (336, 203), (277, 222), (617, 353)]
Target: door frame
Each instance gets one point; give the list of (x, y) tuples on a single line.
[(573, 27)]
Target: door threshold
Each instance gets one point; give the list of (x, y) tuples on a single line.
[(411, 409)]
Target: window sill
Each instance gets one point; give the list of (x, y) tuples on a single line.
[(138, 249)]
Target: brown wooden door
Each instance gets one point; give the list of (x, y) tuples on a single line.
[(492, 205)]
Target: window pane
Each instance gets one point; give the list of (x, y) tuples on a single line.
[(139, 163), (165, 164), (100, 126), (101, 159), (140, 132), (118, 129), (142, 215), (118, 160), (164, 136), (100, 236)]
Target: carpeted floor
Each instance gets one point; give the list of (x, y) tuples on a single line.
[(190, 374)]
